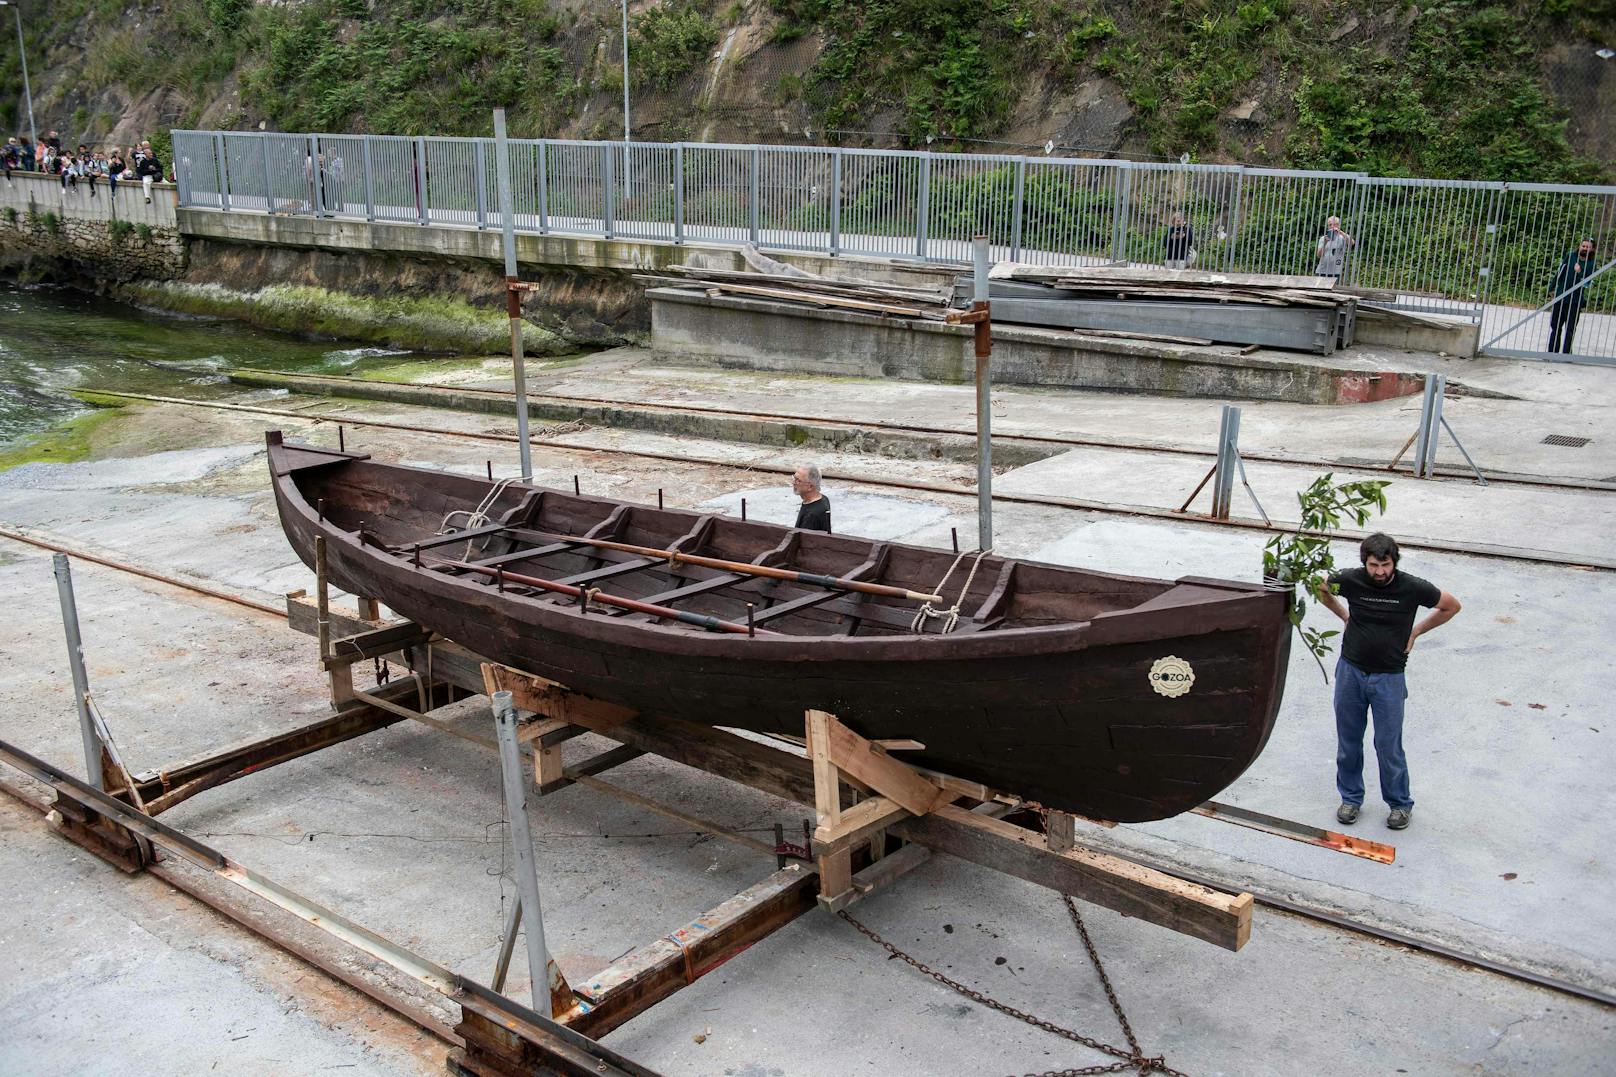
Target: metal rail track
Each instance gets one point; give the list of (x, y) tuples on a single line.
[(1508, 553), (1282, 904), (1502, 478), (45, 773)]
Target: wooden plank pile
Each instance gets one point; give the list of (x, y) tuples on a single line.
[(865, 296), (1176, 306)]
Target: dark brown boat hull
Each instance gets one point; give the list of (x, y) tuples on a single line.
[(1070, 719)]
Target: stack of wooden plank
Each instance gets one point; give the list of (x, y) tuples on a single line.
[(866, 296), (1180, 306)]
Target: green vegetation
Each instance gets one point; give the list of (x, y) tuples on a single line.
[(667, 43), (1440, 88), (1302, 558), (433, 323), (1445, 88), (118, 230), (51, 223), (64, 442), (11, 215), (144, 231)]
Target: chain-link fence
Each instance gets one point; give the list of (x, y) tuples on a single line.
[(1502, 255)]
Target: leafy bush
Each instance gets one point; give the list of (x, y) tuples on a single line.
[(144, 231), (666, 43), (1301, 559), (118, 230)]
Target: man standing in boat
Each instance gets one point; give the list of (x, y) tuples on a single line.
[(814, 512), (1381, 603)]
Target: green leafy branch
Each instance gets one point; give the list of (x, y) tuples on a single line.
[(1302, 558)]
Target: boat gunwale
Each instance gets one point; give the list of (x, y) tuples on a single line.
[(685, 641)]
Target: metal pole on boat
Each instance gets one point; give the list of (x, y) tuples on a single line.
[(75, 662), (513, 293), (983, 337), (542, 975)]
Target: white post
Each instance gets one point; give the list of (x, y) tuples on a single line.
[(513, 298), (527, 879)]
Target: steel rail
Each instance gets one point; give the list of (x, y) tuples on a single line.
[(1506, 478), (449, 984), (1503, 553), (136, 570), (1336, 920)]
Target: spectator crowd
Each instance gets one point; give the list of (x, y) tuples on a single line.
[(135, 164)]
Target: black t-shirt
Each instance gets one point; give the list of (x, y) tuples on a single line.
[(1381, 617), (815, 515)]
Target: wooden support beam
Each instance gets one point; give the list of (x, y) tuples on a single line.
[(1215, 916), (863, 820), (631, 985), (1059, 832), (1133, 889), (858, 757), (375, 643), (835, 864), (539, 695)]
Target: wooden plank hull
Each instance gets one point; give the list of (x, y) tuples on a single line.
[(1065, 714)]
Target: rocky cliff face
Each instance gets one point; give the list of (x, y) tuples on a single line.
[(1503, 90)]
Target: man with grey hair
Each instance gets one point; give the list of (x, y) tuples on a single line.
[(814, 512), (1332, 250)]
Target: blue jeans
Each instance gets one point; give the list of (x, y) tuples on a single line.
[(1356, 694)]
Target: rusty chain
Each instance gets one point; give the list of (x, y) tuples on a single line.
[(1132, 1057)]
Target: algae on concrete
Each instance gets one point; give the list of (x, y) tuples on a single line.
[(63, 443), (429, 323)]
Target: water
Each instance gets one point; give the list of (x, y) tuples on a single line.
[(55, 339)]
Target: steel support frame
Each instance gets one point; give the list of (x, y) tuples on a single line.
[(1228, 453), (492, 1026)]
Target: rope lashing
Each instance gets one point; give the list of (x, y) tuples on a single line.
[(477, 517), (950, 617)]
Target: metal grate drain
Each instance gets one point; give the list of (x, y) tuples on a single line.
[(1570, 441)]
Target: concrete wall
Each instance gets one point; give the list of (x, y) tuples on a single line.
[(47, 194), (759, 334), (43, 222), (581, 252)]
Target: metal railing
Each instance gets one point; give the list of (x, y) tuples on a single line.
[(1485, 252)]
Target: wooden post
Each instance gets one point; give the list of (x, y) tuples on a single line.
[(1059, 833), (836, 867)]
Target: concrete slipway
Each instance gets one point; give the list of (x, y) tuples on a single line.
[(1510, 737)]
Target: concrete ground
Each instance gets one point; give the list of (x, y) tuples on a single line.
[(1510, 741)]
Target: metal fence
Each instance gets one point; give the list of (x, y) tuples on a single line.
[(1482, 251)]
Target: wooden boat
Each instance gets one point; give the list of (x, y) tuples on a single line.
[(1109, 696)]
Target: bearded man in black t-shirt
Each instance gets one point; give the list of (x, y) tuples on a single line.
[(1379, 612)]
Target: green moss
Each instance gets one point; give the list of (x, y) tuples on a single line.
[(430, 323), (63, 443)]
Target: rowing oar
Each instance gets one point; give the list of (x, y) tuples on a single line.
[(700, 620), (834, 582)]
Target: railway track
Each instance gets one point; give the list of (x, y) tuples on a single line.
[(1489, 550), (1036, 440), (1273, 901)]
